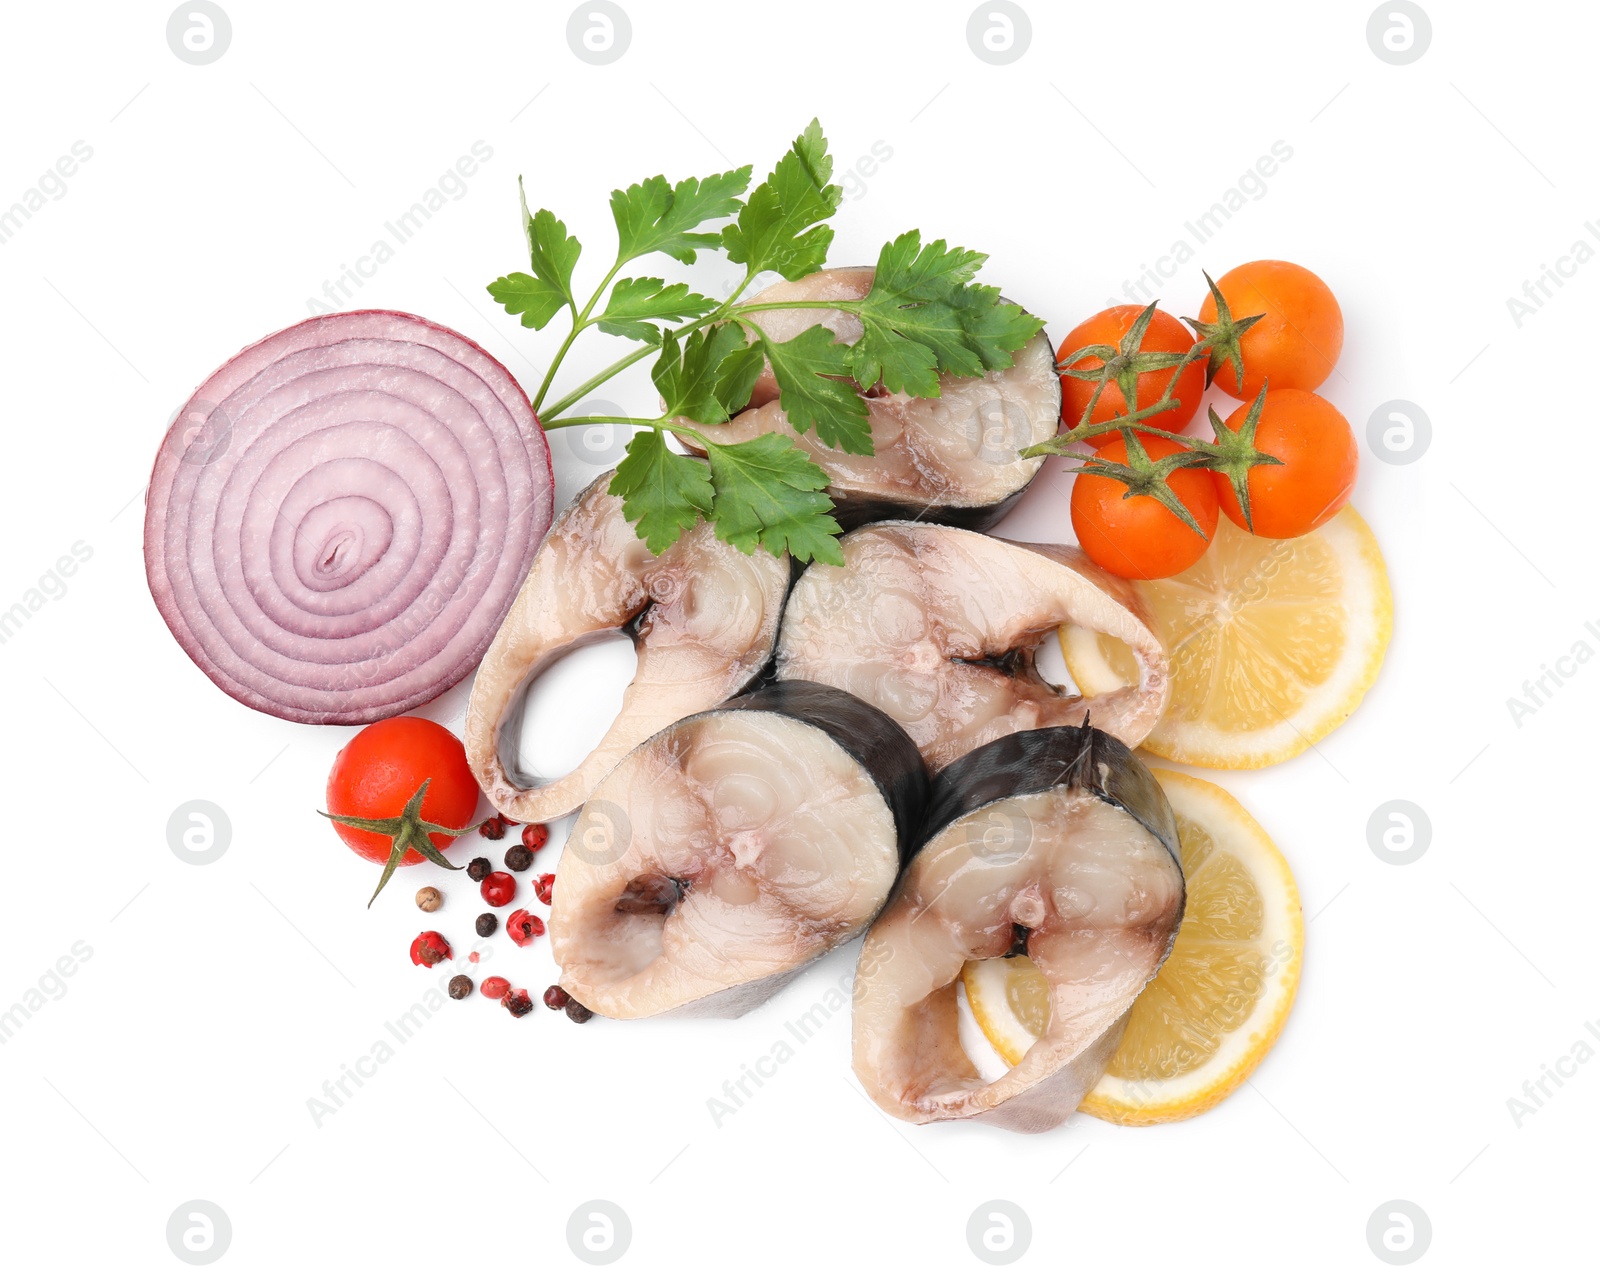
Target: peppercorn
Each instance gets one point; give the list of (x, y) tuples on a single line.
[(430, 948), (460, 986), (535, 835), (577, 1012), (498, 888), (486, 924), (518, 1003), (518, 857), (428, 899), (492, 828), (478, 869), (555, 997)]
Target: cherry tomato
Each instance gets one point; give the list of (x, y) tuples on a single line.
[(381, 768), (1164, 334), (1137, 536), (1319, 455), (1299, 336)]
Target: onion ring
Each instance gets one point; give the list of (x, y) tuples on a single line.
[(341, 516)]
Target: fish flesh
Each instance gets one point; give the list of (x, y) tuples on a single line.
[(703, 618), (1057, 843), (938, 626), (951, 458), (730, 850)]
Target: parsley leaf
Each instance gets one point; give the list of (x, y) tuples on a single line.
[(531, 298), (814, 388), (780, 226), (923, 316), (654, 216), (769, 493), (699, 382), (553, 254), (637, 301), (663, 493)]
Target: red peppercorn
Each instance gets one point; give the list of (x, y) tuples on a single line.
[(535, 835), (495, 987), (498, 888), (492, 828), (555, 997), (544, 888), (517, 1002), (523, 927), (429, 948)]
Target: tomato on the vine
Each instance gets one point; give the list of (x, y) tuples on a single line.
[(1135, 535), (1296, 341), (1165, 333), (379, 770), (1319, 457)]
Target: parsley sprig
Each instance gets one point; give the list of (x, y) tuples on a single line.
[(925, 315)]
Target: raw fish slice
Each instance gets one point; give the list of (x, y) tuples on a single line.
[(1056, 843), (703, 618), (945, 459), (732, 849), (938, 626)]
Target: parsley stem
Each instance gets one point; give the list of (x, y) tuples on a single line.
[(838, 305), (655, 424), (633, 358), (582, 389), (580, 322)]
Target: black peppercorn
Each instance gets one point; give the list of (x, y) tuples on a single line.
[(479, 869), (492, 829), (486, 924), (577, 1012), (460, 986), (518, 857)]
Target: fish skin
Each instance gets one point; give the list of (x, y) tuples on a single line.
[(1038, 760)]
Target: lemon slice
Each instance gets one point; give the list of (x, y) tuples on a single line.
[(1223, 995), (1272, 644)]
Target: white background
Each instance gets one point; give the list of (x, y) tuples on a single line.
[(218, 998)]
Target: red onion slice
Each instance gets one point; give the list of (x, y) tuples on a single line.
[(341, 516)]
